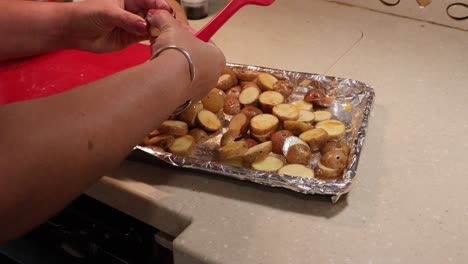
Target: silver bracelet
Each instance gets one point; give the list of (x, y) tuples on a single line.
[(184, 106), (184, 52)]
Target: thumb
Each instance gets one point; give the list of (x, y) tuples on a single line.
[(161, 19), (129, 22)]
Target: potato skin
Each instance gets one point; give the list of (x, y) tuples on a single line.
[(225, 82), (335, 159), (214, 100), (231, 105), (299, 154), (199, 135), (251, 111), (250, 142), (189, 116), (284, 87), (278, 139), (336, 145), (229, 137), (315, 137), (319, 97), (234, 91)]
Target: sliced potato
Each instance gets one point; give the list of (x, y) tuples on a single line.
[(249, 84), (231, 105), (240, 122), (214, 100), (303, 105), (234, 162), (251, 111), (199, 135), (251, 142), (257, 152), (269, 164), (161, 140), (228, 70), (189, 115), (232, 150), (182, 145), (229, 137), (322, 116), (335, 129), (249, 95), (326, 172), (305, 116), (284, 87), (266, 81), (296, 127), (262, 137), (299, 154), (208, 121), (174, 127), (247, 75), (225, 82), (297, 170), (278, 138), (286, 112), (269, 99), (263, 124), (315, 137)]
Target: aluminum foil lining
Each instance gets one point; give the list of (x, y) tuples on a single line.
[(352, 106)]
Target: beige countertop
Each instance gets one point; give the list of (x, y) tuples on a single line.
[(408, 203)]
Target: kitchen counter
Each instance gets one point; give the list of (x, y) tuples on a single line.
[(408, 202)]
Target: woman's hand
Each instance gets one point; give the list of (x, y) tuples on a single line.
[(208, 59), (108, 25)]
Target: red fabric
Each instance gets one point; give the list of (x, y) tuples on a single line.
[(63, 70)]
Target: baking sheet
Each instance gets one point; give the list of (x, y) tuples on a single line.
[(352, 106)]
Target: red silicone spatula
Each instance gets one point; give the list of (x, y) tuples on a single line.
[(217, 22)]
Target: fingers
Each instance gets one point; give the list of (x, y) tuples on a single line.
[(136, 6), (161, 19), (130, 22)]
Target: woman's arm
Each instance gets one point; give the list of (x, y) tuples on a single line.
[(53, 148)]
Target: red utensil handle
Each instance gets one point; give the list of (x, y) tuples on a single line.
[(216, 23)]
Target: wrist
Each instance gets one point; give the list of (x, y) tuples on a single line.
[(67, 15)]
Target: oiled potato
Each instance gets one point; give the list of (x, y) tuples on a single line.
[(286, 112), (182, 145), (240, 122), (199, 135), (284, 87), (277, 140), (214, 101), (296, 127), (306, 116), (315, 137), (232, 150), (319, 97), (322, 116), (261, 137), (325, 172), (263, 124), (257, 152), (266, 81), (234, 91), (247, 75), (174, 127), (249, 95), (269, 99), (299, 154), (269, 164), (335, 129), (225, 82), (303, 105), (208, 121), (251, 111), (189, 115), (250, 142), (229, 137), (228, 70), (161, 140)]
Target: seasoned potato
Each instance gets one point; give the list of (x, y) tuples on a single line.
[(251, 111), (303, 105), (234, 91), (199, 135), (262, 137), (228, 70), (240, 122), (208, 121), (269, 99), (334, 159), (296, 127), (225, 82), (182, 145), (249, 95), (284, 87), (244, 85), (315, 137), (277, 140), (297, 170), (247, 75), (231, 105), (336, 145), (269, 164), (266, 81), (161, 140), (263, 124), (286, 112), (214, 101), (299, 154), (189, 115), (250, 142), (335, 129), (257, 152), (322, 116), (174, 127), (234, 162), (230, 136), (232, 150)]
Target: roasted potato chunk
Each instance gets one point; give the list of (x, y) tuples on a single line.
[(251, 111), (334, 159), (322, 116), (240, 122), (257, 152), (234, 91), (182, 145), (315, 137), (225, 82), (336, 145), (228, 70), (286, 112), (335, 129), (199, 135), (303, 105), (296, 127), (277, 140), (189, 115), (263, 124), (284, 87), (231, 105), (230, 136), (208, 121), (249, 95), (174, 127), (319, 97), (232, 150), (266, 81), (299, 154), (297, 170), (247, 75), (269, 99), (214, 100), (269, 164), (305, 116)]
